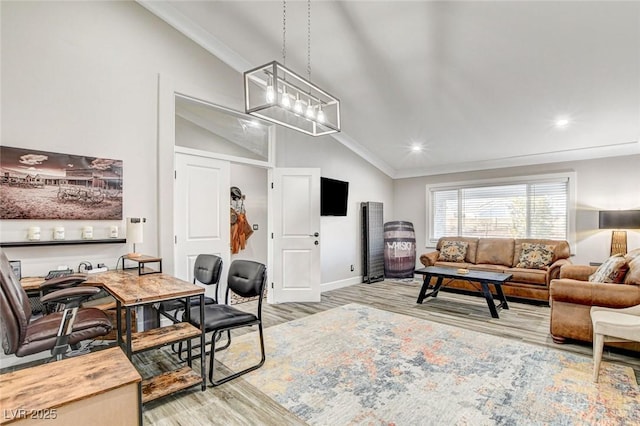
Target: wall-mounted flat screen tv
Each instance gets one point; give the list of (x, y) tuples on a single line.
[(333, 197)]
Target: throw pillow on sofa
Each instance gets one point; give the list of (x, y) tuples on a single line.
[(633, 261), (612, 270), (632, 255), (535, 256), (453, 251)]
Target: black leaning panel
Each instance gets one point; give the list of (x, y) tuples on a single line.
[(372, 242)]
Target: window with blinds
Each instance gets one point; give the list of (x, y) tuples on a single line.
[(532, 209)]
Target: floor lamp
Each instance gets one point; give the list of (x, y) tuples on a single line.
[(619, 221)]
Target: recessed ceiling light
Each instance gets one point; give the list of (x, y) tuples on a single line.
[(416, 147), (562, 123)]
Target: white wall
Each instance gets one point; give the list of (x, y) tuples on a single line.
[(189, 135), (82, 78), (603, 184), (340, 237)]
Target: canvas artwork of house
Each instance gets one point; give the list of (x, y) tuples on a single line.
[(47, 185)]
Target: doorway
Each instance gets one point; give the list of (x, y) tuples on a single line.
[(217, 149), (190, 126)]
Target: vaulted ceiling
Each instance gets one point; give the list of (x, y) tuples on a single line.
[(473, 85)]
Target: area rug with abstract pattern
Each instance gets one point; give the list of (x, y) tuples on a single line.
[(360, 365)]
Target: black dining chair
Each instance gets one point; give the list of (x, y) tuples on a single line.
[(246, 279), (206, 270)]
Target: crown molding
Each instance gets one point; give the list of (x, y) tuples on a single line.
[(364, 152), (603, 151), (200, 36), (213, 45), (196, 33)]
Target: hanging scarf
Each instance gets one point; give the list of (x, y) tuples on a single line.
[(241, 230)]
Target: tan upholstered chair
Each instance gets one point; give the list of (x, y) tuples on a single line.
[(613, 325)]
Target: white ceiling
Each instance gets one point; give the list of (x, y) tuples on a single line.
[(476, 84)]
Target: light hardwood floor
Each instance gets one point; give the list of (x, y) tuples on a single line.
[(238, 403)]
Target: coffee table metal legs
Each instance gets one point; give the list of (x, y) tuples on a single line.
[(489, 297), (486, 292), (503, 300), (425, 286)]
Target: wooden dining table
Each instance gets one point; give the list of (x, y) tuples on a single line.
[(130, 291)]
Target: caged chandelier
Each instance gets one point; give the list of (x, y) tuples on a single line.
[(277, 94)]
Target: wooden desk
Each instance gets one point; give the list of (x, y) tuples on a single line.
[(100, 388), (131, 290), (31, 285)]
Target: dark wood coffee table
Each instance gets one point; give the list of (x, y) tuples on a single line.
[(482, 277)]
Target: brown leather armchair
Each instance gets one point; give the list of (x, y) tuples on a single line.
[(55, 332), (572, 295)]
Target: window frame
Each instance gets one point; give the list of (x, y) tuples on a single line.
[(431, 242)]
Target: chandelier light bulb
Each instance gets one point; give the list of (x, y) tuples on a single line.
[(310, 112), (271, 94), (286, 101), (321, 116), (298, 108)]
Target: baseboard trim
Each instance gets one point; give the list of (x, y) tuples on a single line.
[(334, 285)]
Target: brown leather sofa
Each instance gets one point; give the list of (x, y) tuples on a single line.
[(502, 255), (572, 296)]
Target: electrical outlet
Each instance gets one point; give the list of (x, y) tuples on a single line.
[(352, 269)]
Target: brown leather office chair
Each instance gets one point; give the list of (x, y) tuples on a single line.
[(23, 336), (55, 284)]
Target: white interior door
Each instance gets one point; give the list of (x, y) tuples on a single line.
[(295, 219), (201, 213)]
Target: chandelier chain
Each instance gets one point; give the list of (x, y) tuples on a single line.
[(309, 40), (284, 32), (276, 94)]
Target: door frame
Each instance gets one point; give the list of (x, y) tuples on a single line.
[(168, 89), (271, 200)]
